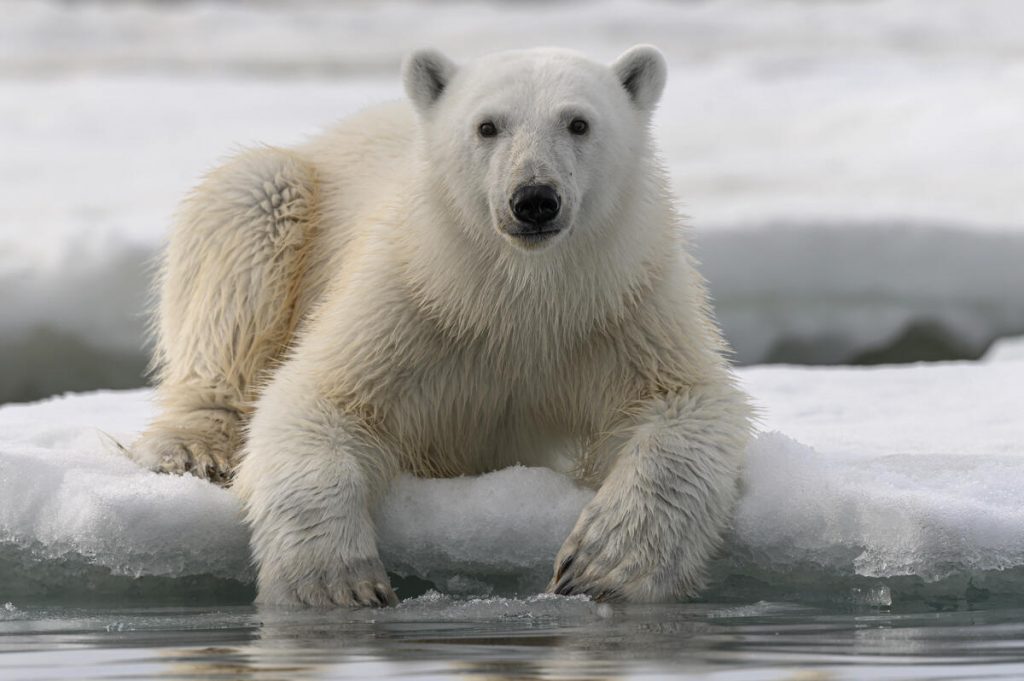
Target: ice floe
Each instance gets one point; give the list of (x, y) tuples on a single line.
[(891, 483)]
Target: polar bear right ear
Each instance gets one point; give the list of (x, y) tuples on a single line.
[(641, 70), (426, 74)]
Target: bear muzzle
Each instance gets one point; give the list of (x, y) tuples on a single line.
[(535, 207)]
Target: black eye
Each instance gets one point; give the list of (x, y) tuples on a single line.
[(578, 126), (488, 129)]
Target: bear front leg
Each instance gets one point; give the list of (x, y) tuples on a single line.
[(659, 515), (309, 478)]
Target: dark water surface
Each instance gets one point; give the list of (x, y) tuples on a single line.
[(439, 637)]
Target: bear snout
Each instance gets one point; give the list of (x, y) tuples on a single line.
[(534, 206)]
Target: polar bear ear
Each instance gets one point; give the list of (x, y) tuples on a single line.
[(426, 74), (641, 70)]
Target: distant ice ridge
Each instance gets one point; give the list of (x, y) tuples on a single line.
[(1006, 350), (798, 293), (871, 484)]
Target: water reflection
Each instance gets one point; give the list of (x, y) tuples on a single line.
[(540, 638)]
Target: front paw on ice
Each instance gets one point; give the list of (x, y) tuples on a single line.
[(592, 567), (569, 582)]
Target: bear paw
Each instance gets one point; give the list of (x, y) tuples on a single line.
[(179, 451), (582, 569), (609, 558), (362, 583)]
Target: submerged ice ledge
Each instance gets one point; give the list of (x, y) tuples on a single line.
[(901, 481)]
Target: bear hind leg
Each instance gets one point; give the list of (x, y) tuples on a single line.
[(229, 304)]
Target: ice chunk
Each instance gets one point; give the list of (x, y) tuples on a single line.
[(434, 606), (866, 485), (504, 528), (881, 516), (67, 491)]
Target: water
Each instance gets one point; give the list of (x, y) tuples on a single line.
[(440, 637)]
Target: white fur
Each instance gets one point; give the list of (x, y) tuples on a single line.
[(370, 279)]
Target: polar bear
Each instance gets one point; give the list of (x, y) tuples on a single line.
[(491, 274)]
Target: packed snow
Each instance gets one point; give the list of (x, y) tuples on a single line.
[(851, 169), (871, 485), (886, 473)]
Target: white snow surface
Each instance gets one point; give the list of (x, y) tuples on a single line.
[(862, 474), (850, 168)]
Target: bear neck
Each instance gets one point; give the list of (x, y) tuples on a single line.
[(596, 276)]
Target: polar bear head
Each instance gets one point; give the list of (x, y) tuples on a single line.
[(530, 146)]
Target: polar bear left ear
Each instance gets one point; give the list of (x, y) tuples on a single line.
[(426, 74), (641, 70)]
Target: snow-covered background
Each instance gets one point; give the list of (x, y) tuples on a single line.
[(853, 171)]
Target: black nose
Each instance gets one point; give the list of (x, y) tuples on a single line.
[(535, 204)]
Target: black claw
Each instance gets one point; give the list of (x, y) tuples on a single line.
[(566, 589), (565, 565), (605, 595), (381, 596), (562, 583)]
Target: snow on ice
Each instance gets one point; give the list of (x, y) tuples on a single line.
[(861, 479)]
